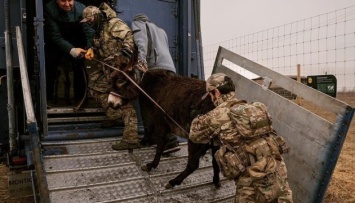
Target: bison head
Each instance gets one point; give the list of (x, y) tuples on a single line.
[(115, 100), (123, 90)]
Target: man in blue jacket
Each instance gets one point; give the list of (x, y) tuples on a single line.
[(66, 38)]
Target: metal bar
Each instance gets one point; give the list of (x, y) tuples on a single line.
[(39, 43), (70, 110), (4, 76), (86, 134), (189, 32), (10, 80), (308, 93), (200, 64), (24, 79), (31, 121), (77, 119), (33, 187)]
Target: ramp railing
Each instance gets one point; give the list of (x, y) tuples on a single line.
[(31, 121), (314, 142)]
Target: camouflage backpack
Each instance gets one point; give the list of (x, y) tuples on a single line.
[(252, 119), (231, 161)]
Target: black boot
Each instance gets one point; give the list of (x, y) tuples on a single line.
[(172, 145), (149, 139)]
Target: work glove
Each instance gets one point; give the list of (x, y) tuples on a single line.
[(123, 57), (77, 52), (121, 60), (141, 65), (89, 54)]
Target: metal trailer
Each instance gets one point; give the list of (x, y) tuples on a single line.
[(72, 155)]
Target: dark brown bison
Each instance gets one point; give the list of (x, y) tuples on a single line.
[(180, 97)]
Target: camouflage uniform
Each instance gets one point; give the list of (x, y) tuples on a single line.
[(255, 180), (113, 36)]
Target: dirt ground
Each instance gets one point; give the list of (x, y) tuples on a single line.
[(342, 185), (341, 188)]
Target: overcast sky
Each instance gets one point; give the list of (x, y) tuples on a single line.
[(228, 19)]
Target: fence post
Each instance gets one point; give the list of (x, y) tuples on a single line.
[(298, 99)]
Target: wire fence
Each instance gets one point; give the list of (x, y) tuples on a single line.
[(322, 45)]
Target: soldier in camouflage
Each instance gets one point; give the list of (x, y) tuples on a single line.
[(113, 43), (256, 183)]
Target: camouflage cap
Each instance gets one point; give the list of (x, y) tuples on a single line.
[(89, 12), (213, 82)]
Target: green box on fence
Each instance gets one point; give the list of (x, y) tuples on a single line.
[(324, 83)]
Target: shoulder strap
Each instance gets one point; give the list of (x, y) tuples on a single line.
[(230, 148), (149, 36), (232, 103)]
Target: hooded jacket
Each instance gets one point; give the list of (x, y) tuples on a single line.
[(112, 35), (152, 43)]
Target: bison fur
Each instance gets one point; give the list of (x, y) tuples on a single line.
[(180, 97)]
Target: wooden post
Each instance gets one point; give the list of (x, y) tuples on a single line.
[(298, 99)]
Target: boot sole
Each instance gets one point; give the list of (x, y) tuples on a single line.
[(171, 150)]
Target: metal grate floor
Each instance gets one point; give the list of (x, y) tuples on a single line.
[(90, 171)]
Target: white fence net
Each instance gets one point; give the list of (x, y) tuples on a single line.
[(322, 45)]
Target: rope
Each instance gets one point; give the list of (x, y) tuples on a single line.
[(140, 89)]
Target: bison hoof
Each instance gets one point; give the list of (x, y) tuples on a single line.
[(217, 185), (145, 168), (168, 186)]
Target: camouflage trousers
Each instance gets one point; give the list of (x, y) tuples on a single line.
[(99, 85), (260, 185)]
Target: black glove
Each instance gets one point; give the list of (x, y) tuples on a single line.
[(194, 113), (126, 51), (121, 60)]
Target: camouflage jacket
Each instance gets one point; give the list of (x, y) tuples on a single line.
[(114, 35), (216, 124), (111, 38)]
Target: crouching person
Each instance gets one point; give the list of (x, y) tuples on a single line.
[(250, 150)]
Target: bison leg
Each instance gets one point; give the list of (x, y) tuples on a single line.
[(216, 169), (148, 138), (146, 107), (161, 143), (195, 151)]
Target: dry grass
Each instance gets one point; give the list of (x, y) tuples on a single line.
[(342, 184)]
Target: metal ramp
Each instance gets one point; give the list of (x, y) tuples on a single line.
[(63, 123), (90, 171), (67, 114), (80, 166)]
